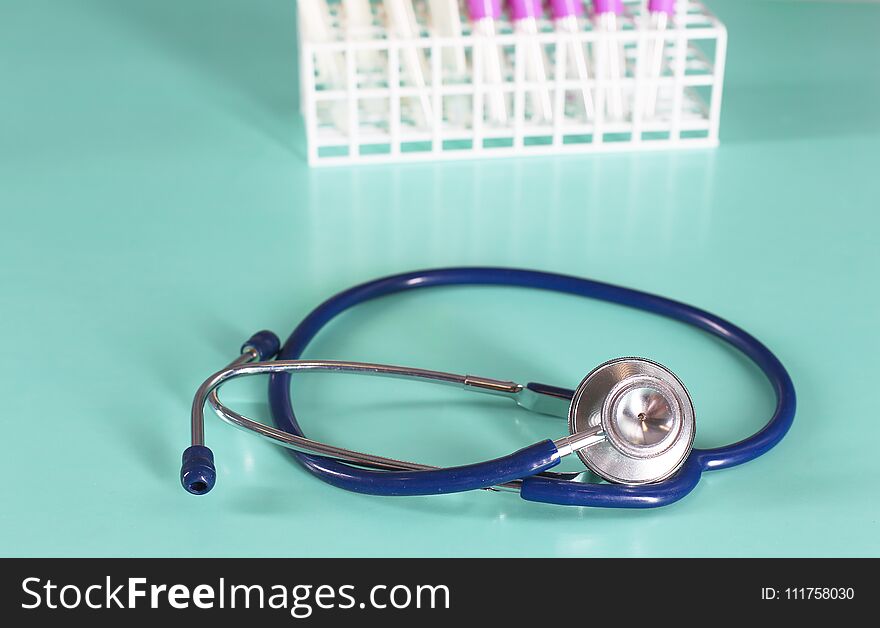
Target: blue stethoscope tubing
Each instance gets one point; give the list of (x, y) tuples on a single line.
[(530, 463)]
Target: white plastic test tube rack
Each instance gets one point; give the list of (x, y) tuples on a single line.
[(370, 95)]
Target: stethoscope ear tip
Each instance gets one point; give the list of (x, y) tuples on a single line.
[(265, 343), (197, 473)]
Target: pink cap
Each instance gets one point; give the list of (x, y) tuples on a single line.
[(608, 6), (479, 9), (522, 9), (662, 6), (566, 8)]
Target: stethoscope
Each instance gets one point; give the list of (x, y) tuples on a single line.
[(631, 421)]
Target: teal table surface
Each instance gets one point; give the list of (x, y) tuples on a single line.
[(157, 209)]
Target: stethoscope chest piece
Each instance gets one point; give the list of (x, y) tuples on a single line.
[(646, 415)]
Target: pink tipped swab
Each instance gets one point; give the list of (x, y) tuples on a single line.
[(525, 14), (607, 12), (483, 14), (565, 19), (661, 11), (403, 24)]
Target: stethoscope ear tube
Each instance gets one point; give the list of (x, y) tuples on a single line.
[(566, 493), (523, 463)]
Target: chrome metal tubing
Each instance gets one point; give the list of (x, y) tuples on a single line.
[(197, 420), (306, 445), (243, 366)]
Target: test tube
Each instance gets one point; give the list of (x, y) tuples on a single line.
[(565, 20), (660, 11), (358, 15), (330, 66), (483, 14), (525, 14), (359, 26), (610, 57), (446, 22), (316, 26), (403, 23)]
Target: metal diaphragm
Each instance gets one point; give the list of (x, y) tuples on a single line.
[(647, 417)]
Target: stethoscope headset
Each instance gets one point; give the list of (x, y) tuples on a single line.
[(631, 421)]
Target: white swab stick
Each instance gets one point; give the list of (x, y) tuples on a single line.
[(358, 15), (483, 14), (316, 27), (660, 11), (446, 22), (565, 19), (525, 14), (359, 26), (607, 12), (403, 24)]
